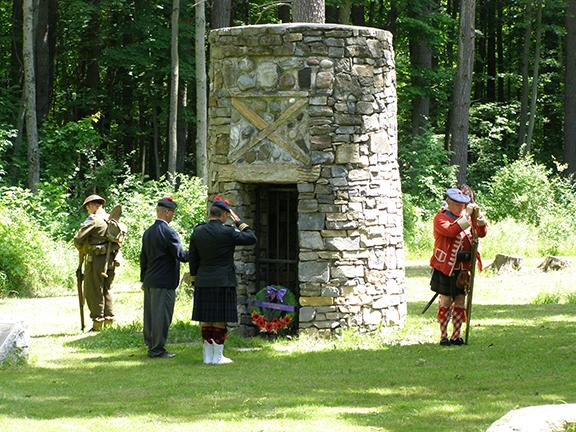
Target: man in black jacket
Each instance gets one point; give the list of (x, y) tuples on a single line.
[(160, 274), (212, 263)]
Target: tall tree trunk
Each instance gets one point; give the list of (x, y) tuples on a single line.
[(358, 17), (30, 95), (345, 12), (525, 65), (284, 13), (182, 127), (155, 136), (500, 50), (491, 51), (570, 89), (221, 14), (308, 11), (421, 62), (462, 87), (175, 74), (536, 68), (201, 95), (90, 51), (45, 47), (16, 54), (392, 21)]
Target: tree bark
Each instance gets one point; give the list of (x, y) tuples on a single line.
[(284, 13), (89, 68), (500, 50), (345, 12), (462, 87), (45, 47), (491, 51), (30, 95), (175, 73), (570, 89), (182, 127), (201, 95), (536, 68), (525, 65), (421, 62), (221, 14), (358, 17), (308, 11)]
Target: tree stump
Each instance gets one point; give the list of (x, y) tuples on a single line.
[(506, 263), (553, 263)]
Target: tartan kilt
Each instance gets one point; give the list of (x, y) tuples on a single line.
[(445, 285), (215, 304)]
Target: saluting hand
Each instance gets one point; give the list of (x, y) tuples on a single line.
[(234, 216)]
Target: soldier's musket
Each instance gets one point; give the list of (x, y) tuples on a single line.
[(79, 281), (115, 216), (473, 259)]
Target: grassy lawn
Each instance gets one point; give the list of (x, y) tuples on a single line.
[(520, 354)]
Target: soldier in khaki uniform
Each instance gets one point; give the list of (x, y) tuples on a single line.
[(91, 242)]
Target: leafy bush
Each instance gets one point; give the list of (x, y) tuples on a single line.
[(139, 200), (521, 190), (571, 298), (31, 263), (6, 134), (547, 298), (425, 171)]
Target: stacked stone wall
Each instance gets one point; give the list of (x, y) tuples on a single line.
[(315, 105)]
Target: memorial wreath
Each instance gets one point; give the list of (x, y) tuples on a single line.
[(274, 309)]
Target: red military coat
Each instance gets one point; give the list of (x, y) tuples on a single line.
[(451, 235)]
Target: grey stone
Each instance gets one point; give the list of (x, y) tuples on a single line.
[(246, 82), (267, 75), (311, 221), (314, 271), (307, 314), (324, 79), (317, 157), (311, 240)]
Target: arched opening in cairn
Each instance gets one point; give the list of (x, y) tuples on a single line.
[(302, 138)]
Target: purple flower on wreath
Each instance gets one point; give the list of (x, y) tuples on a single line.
[(273, 293)]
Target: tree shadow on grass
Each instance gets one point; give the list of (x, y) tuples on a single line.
[(519, 356)]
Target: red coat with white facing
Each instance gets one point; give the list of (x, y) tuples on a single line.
[(450, 237)]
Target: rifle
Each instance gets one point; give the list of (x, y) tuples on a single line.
[(473, 259), (79, 280), (114, 216)]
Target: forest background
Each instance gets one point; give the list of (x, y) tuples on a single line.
[(103, 108)]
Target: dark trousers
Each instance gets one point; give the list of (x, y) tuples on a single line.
[(158, 311)]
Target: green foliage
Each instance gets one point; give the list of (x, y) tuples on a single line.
[(492, 139), (31, 263), (6, 135), (139, 198), (520, 190), (425, 171), (571, 298), (547, 298)]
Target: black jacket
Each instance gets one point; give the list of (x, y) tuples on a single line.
[(212, 252), (160, 257)]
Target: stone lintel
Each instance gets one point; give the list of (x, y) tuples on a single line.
[(268, 173), (316, 301)]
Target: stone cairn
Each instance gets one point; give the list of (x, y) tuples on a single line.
[(314, 105)]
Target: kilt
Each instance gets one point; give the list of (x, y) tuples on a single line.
[(445, 285), (215, 304)]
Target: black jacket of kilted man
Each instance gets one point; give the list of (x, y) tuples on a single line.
[(212, 252), (161, 256)]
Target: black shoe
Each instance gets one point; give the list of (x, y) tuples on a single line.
[(458, 341), (445, 342), (164, 354)]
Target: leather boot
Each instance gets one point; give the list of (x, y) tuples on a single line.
[(208, 352), (97, 325), (219, 355)]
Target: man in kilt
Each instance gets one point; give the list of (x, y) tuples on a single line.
[(160, 261), (451, 256), (212, 248)]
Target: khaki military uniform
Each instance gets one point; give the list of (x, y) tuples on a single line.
[(91, 240)]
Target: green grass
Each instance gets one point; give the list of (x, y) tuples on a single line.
[(520, 354)]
